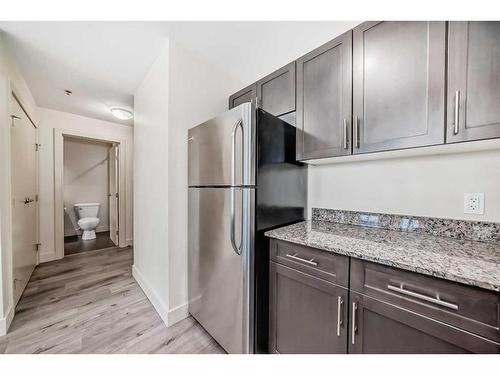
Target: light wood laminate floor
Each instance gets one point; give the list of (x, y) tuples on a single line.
[(90, 303)]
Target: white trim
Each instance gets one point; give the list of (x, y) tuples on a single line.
[(130, 242), (160, 308), (6, 321), (177, 314), (58, 187)]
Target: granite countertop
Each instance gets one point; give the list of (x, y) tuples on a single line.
[(464, 261)]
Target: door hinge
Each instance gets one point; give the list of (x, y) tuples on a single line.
[(38, 146), (117, 232), (116, 195), (36, 197), (14, 117), (38, 246)]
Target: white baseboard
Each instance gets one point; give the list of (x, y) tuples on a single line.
[(5, 322), (130, 242), (151, 294), (177, 314)]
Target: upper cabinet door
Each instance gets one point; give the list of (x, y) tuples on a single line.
[(324, 96), (473, 81), (276, 92), (246, 95), (398, 85)]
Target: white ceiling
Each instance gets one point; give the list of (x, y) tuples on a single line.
[(103, 63)]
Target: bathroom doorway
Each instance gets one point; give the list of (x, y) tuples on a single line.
[(88, 185), (90, 194)]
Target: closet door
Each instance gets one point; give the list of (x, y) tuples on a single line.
[(473, 81), (398, 85), (24, 198)]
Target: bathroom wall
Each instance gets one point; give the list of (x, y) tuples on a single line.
[(85, 180)]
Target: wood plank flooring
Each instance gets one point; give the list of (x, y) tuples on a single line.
[(90, 303), (75, 244)]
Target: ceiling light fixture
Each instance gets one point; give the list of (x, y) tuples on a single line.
[(122, 113)]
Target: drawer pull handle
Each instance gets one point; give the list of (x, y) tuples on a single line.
[(400, 289), (354, 326), (340, 321), (295, 257)]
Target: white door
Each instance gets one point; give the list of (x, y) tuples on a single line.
[(24, 198), (113, 193)]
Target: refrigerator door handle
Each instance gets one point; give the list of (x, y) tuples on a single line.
[(238, 124), (236, 248)]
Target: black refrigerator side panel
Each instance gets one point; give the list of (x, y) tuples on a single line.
[(281, 198)]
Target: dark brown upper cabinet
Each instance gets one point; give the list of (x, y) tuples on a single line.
[(324, 97), (398, 85), (473, 81), (246, 95), (276, 92)]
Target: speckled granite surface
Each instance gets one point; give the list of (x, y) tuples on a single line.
[(468, 262), (461, 229)]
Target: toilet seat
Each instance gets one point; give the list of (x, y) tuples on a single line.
[(88, 222)]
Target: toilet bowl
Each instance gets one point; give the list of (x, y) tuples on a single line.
[(88, 220)]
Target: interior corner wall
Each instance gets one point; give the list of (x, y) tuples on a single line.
[(10, 80), (198, 91), (49, 120), (151, 184)]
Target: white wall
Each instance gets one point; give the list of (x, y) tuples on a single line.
[(424, 185), (179, 92), (86, 180), (151, 188), (10, 80), (49, 120), (198, 92)]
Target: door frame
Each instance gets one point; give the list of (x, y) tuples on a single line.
[(59, 135)]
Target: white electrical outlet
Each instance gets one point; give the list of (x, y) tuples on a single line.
[(474, 203)]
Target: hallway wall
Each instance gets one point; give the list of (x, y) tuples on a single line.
[(10, 80)]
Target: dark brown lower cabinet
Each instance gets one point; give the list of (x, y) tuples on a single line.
[(307, 314), (377, 327)]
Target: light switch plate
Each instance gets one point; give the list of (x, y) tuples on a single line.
[(474, 203)]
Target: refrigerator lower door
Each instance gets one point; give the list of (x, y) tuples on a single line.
[(220, 264)]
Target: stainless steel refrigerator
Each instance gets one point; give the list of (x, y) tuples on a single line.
[(243, 180)]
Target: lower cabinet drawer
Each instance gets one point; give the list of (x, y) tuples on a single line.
[(377, 327), (307, 314), (471, 309), (329, 266)]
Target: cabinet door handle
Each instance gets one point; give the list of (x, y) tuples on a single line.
[(355, 129), (311, 261), (354, 327), (340, 313), (400, 289), (457, 113), (345, 134)]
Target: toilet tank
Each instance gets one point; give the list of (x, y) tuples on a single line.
[(87, 209)]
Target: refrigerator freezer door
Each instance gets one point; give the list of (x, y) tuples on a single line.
[(220, 281), (221, 151)]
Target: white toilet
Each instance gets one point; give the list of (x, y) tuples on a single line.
[(88, 220)]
